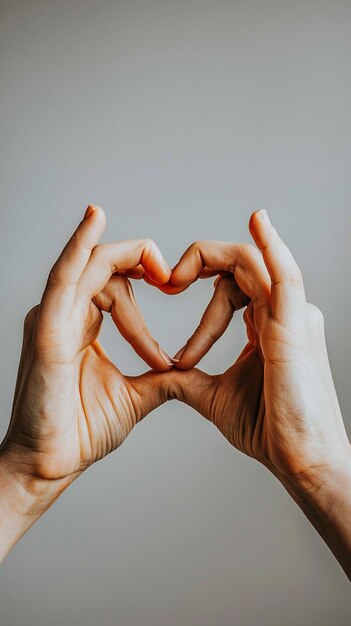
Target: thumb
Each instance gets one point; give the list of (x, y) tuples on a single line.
[(193, 387)]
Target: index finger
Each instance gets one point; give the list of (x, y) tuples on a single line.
[(242, 260), (106, 259)]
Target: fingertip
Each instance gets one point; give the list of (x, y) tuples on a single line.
[(167, 288), (163, 277), (252, 221), (173, 290), (179, 354), (161, 366), (178, 283), (89, 211), (257, 218), (92, 225), (176, 277), (95, 212), (149, 280), (184, 363), (258, 224), (162, 272), (264, 217), (182, 360), (154, 263), (166, 358), (155, 357)]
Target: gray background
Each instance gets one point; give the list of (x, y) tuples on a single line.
[(179, 118)]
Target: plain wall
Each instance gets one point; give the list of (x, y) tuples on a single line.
[(179, 118)]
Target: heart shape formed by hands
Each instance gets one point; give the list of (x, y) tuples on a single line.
[(237, 267), (267, 281), (242, 280), (73, 406)]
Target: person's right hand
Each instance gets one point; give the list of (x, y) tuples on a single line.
[(72, 406), (277, 403)]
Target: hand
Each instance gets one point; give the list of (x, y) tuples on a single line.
[(277, 403), (72, 406)]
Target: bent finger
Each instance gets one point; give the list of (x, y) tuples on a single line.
[(108, 259), (118, 299), (227, 299), (242, 260)]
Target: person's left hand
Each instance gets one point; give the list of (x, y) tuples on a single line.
[(72, 405)]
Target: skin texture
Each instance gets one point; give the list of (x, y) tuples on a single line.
[(277, 403)]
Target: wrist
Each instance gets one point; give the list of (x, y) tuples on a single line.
[(18, 509), (24, 498), (324, 496), (318, 484)]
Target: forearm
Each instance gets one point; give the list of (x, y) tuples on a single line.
[(324, 495)]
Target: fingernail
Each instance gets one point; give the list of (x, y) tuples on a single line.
[(175, 360), (90, 210), (165, 356), (264, 217), (179, 354)]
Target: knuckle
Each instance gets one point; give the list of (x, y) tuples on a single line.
[(244, 253), (196, 245), (247, 248), (149, 244), (148, 249)]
